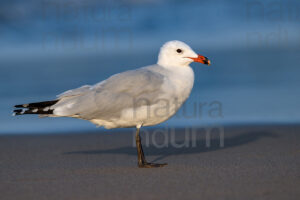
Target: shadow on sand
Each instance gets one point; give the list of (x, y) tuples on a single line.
[(199, 146)]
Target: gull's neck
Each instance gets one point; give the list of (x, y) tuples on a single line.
[(180, 72)]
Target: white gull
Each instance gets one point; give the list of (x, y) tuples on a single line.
[(143, 97)]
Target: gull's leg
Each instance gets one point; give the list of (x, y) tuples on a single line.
[(142, 163)]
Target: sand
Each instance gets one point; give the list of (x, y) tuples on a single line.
[(256, 162)]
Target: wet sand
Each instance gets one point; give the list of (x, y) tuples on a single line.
[(256, 162)]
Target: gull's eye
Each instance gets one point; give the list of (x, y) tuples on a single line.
[(179, 51)]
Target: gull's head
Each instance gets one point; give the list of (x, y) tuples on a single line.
[(177, 53)]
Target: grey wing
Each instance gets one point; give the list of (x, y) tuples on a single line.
[(121, 91)]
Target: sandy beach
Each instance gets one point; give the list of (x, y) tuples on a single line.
[(256, 162)]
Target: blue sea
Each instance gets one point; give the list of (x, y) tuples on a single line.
[(48, 47)]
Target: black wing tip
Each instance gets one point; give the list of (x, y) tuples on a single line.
[(37, 104), (18, 112), (21, 106), (42, 108), (32, 111)]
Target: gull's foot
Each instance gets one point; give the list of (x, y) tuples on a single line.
[(151, 165)]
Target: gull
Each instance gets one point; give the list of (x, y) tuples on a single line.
[(142, 97)]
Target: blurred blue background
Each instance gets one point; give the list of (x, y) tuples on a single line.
[(51, 46)]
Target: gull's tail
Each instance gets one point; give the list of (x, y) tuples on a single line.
[(41, 108)]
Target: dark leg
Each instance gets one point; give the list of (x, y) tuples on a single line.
[(142, 163)]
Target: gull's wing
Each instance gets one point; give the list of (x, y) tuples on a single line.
[(108, 98)]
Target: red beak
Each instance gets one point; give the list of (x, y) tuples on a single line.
[(201, 59)]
